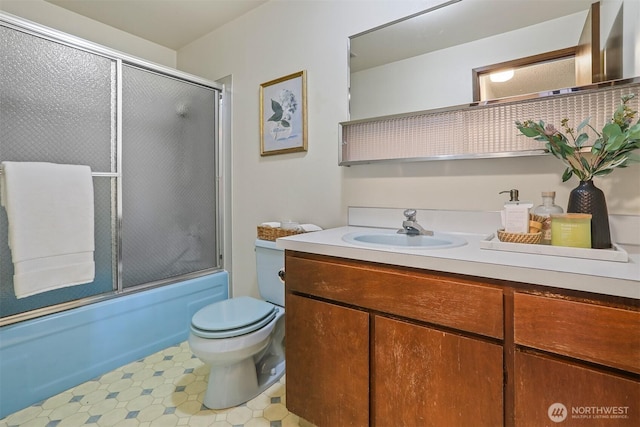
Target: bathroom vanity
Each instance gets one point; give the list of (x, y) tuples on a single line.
[(375, 342)]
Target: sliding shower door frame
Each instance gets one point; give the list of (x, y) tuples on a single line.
[(115, 175)]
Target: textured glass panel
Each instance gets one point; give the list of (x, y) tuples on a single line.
[(475, 131), (55, 102), (168, 169), (56, 105)]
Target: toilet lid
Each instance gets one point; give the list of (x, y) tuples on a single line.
[(232, 317)]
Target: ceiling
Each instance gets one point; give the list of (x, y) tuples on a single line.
[(170, 23)]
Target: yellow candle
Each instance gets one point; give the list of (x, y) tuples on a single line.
[(572, 229)]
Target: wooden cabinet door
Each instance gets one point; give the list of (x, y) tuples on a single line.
[(552, 392), (424, 377), (327, 354)]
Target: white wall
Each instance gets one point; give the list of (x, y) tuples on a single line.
[(69, 22), (631, 31), (282, 37), (631, 38)]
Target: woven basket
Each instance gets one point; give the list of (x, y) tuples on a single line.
[(529, 238), (272, 233)]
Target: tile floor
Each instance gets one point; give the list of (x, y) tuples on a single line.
[(164, 389)]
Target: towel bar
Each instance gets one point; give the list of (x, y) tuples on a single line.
[(94, 174)]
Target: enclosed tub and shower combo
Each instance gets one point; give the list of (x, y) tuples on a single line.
[(148, 139)]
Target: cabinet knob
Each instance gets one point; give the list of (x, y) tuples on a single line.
[(281, 274)]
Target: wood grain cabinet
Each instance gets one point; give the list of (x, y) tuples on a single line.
[(327, 355), (551, 391), (385, 346), (576, 363), (426, 377)]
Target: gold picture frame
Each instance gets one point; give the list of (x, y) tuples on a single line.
[(283, 115)]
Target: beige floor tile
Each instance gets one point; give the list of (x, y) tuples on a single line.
[(275, 412), (38, 422), (152, 382), (65, 411), (240, 415), (151, 413), (163, 390), (100, 408), (86, 388), (21, 417), (120, 385), (57, 401), (112, 417), (74, 420), (258, 422), (260, 402), (139, 403), (127, 394)]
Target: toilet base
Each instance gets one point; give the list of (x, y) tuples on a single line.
[(232, 382), (236, 384)]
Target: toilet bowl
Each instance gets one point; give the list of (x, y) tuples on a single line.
[(241, 339)]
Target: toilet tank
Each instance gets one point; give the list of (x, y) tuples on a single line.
[(269, 261)]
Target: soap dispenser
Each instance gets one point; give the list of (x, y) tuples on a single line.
[(515, 216), (513, 196), (545, 210)]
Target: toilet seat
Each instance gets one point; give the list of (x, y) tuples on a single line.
[(232, 317)]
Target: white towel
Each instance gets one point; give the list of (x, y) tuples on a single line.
[(310, 227), (273, 224), (51, 236)]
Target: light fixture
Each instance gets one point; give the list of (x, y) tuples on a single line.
[(501, 76)]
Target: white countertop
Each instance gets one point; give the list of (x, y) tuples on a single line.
[(589, 275)]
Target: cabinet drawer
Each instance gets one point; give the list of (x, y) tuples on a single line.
[(455, 303), (596, 333)]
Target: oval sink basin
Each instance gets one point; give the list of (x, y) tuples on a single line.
[(391, 239)]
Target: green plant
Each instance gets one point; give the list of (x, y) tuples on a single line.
[(613, 147)]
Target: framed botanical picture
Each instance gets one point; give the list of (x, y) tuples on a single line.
[(283, 115)]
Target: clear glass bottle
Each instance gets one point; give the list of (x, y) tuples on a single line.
[(545, 210)]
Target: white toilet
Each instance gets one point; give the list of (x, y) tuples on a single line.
[(242, 339)]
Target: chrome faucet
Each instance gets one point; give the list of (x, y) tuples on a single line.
[(411, 227)]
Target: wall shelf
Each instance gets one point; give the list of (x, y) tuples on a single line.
[(477, 130)]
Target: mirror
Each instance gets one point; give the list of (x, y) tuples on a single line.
[(433, 59)]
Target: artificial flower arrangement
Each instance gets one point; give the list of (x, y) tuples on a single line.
[(613, 147)]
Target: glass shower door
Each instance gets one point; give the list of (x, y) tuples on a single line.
[(150, 136), (58, 105), (169, 220)]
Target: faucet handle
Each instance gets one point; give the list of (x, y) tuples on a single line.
[(410, 214)]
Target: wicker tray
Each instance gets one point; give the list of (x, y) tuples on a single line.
[(272, 233), (528, 238)]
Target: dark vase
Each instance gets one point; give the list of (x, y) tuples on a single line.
[(587, 198)]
